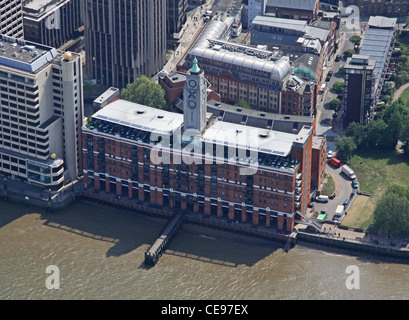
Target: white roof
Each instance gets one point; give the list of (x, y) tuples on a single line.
[(140, 117), (262, 140)]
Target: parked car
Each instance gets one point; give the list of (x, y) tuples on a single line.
[(346, 203), (337, 58), (354, 184), (329, 154)]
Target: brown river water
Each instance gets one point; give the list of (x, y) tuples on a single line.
[(99, 254)]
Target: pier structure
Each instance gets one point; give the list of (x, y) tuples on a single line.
[(155, 251)]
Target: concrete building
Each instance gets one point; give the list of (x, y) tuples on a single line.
[(41, 113), (232, 171), (11, 18), (176, 18), (52, 22), (124, 40)]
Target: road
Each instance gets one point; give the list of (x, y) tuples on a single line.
[(343, 187), (325, 124)]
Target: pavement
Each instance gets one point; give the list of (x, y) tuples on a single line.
[(194, 26)]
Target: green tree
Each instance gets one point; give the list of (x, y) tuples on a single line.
[(357, 132), (146, 92), (391, 213), (338, 87), (355, 39), (242, 103), (348, 53), (375, 134), (345, 147), (335, 104)]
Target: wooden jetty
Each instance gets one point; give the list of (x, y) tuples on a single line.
[(153, 254)]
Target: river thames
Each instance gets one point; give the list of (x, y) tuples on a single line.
[(99, 253)]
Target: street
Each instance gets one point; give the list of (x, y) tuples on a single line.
[(325, 124), (343, 189)]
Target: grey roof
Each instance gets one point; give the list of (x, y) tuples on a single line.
[(280, 22), (211, 45), (300, 26), (294, 4), (24, 55), (382, 22), (39, 8), (376, 45)]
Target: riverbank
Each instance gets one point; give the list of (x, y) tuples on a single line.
[(330, 236)]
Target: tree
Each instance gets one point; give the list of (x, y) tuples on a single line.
[(341, 70), (335, 104), (345, 147), (357, 132), (391, 213), (338, 87), (146, 92), (375, 133), (242, 103), (348, 53), (355, 39)]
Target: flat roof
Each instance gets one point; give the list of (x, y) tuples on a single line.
[(214, 105), (280, 22), (381, 22), (107, 94), (261, 140), (38, 8), (376, 45), (153, 120), (140, 117), (25, 55), (294, 4)]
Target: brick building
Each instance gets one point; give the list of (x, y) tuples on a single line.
[(240, 72), (293, 9), (319, 158), (197, 162)]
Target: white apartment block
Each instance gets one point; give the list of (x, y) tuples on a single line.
[(41, 102)]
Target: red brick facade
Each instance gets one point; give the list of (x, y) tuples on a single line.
[(271, 197)]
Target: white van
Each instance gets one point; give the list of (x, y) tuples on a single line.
[(322, 198), (339, 211), (348, 172)]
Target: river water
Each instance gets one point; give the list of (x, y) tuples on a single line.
[(99, 254)]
